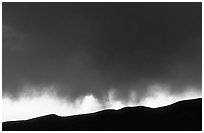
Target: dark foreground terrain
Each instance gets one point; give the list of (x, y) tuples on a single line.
[(184, 115)]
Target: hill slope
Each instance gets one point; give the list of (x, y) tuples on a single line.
[(184, 115)]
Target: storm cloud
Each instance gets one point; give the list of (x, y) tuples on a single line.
[(92, 48)]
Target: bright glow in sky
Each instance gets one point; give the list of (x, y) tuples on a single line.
[(29, 107), (162, 98), (26, 108)]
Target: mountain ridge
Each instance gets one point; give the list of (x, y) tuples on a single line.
[(184, 115)]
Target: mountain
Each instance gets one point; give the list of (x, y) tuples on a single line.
[(181, 116)]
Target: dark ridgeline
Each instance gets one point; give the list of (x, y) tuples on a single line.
[(184, 115)]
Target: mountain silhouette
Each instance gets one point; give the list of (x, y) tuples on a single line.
[(181, 116)]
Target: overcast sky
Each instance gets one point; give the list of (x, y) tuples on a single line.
[(91, 48)]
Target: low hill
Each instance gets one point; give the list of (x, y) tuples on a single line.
[(181, 116)]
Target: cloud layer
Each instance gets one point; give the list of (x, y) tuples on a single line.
[(93, 48)]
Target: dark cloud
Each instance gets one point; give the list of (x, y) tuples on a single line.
[(83, 48)]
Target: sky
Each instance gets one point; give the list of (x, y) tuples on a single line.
[(71, 58)]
